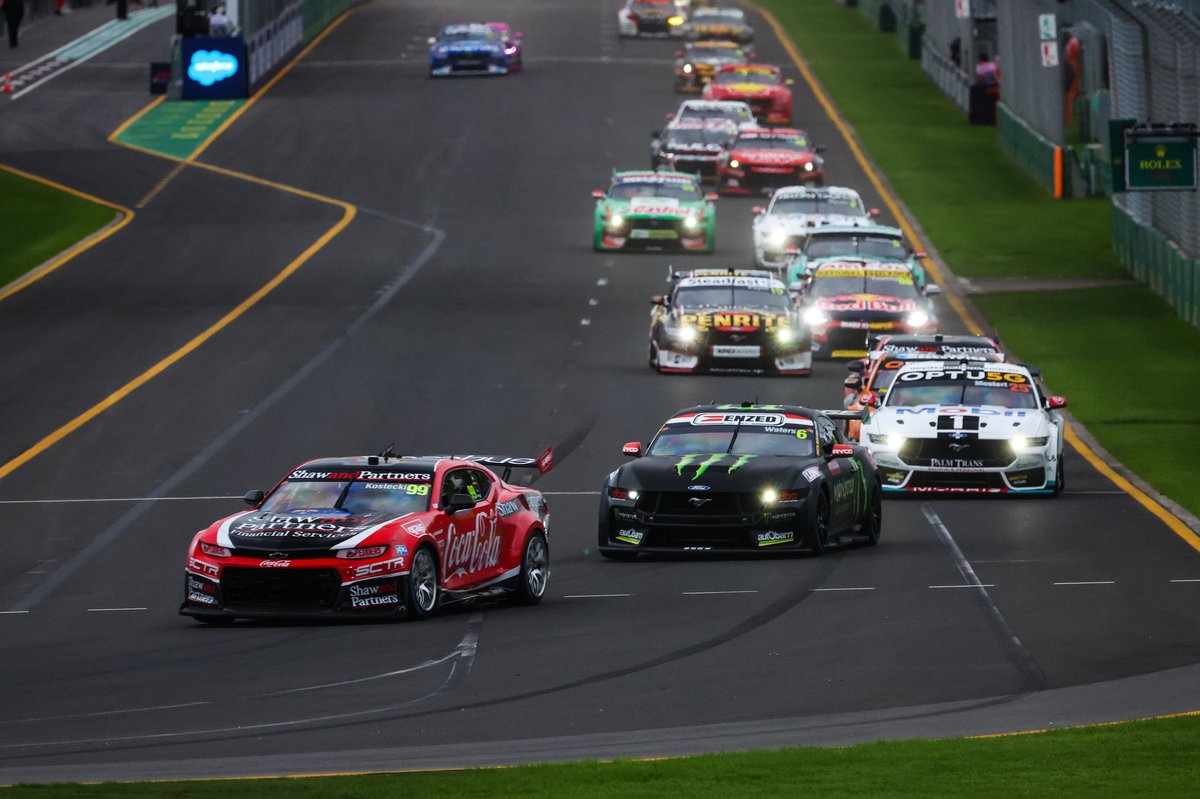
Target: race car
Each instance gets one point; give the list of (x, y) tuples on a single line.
[(732, 320), (654, 210), (692, 146), (968, 427), (876, 374), (861, 242), (650, 18), (697, 62), (761, 85), (468, 49), (741, 478), (374, 536), (718, 23), (780, 228), (761, 160), (513, 47), (710, 110), (845, 301)]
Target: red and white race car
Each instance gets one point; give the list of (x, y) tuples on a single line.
[(761, 160), (761, 85), (374, 536)]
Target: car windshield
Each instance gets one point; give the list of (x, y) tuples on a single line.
[(789, 442), (718, 15), (467, 35), (686, 136), (752, 76), (715, 56), (792, 143), (733, 113), (733, 297), (961, 392), (817, 205), (862, 281), (674, 189), (651, 7), (853, 244), (361, 498)]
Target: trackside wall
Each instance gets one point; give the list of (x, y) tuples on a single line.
[(1155, 261), (1041, 158)]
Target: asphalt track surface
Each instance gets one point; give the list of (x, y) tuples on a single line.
[(463, 309)]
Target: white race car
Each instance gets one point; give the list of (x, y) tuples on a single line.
[(736, 111), (795, 210), (650, 18), (969, 427)]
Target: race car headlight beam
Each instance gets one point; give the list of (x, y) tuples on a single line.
[(815, 316), (785, 335), (684, 334), (777, 238), (616, 220), (1024, 444), (917, 319), (691, 223)]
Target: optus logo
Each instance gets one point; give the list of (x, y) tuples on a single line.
[(210, 66)]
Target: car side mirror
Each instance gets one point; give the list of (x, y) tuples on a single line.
[(932, 289), (711, 195), (658, 299), (679, 54), (820, 148), (873, 213), (920, 254), (458, 502), (254, 498), (840, 451), (758, 210), (796, 285), (671, 115), (1056, 402), (656, 134), (432, 40), (853, 383), (869, 399), (855, 366), (633, 449), (598, 194), (789, 82)]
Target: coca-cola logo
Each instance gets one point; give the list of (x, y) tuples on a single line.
[(473, 550)]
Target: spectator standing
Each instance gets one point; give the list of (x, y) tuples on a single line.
[(14, 12), (985, 92)]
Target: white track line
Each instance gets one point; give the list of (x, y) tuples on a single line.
[(112, 610), (709, 593), (1090, 582), (14, 612), (1186, 581), (594, 596), (864, 588), (970, 585)]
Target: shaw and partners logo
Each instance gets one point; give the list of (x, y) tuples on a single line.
[(211, 66)]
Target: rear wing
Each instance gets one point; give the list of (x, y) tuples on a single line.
[(543, 462)]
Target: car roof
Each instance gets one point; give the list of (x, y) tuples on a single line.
[(815, 192), (662, 177), (372, 463), (864, 264), (950, 364), (685, 414), (858, 230), (750, 67)]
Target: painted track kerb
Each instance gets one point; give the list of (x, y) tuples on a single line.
[(349, 212), (1173, 523)]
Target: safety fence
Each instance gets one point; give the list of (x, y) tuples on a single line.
[(1040, 158), (275, 29), (1155, 261)]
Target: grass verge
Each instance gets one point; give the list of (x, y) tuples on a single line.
[(40, 222), (1143, 758), (1121, 355)]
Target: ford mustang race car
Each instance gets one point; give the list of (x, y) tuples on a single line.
[(692, 146), (373, 536), (761, 85), (709, 110), (846, 301), (761, 160), (730, 478), (860, 242), (966, 427), (469, 49), (511, 41), (650, 18), (718, 23), (780, 228), (654, 210), (728, 321), (696, 63)]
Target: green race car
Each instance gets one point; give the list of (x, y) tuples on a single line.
[(654, 211)]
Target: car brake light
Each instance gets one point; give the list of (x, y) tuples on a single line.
[(789, 496), (361, 552), (212, 550), (622, 493)]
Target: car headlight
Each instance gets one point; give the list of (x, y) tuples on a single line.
[(785, 335), (815, 316), (684, 334), (687, 68), (675, 21), (630, 494), (917, 319), (769, 496), (777, 238), (692, 223), (887, 439), (734, 163), (616, 220), (809, 167), (1022, 443)]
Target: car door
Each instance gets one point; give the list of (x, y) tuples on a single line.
[(472, 542), (844, 478)]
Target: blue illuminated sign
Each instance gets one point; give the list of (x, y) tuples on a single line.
[(213, 67)]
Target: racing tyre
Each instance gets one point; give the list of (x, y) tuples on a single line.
[(1060, 478), (820, 525), (653, 356), (423, 592), (535, 570), (873, 524)]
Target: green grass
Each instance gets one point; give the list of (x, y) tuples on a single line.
[(1144, 758), (1122, 356), (40, 222)]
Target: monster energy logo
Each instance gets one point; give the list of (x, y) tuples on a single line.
[(710, 460)]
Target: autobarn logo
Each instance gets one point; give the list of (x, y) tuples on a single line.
[(757, 419), (630, 536), (771, 537)]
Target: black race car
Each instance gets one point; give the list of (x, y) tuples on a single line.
[(738, 478), (692, 145)]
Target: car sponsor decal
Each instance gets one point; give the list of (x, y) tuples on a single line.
[(274, 564), (376, 569), (377, 595), (203, 567), (735, 351), (509, 508), (866, 302), (401, 549), (773, 537), (923, 410), (475, 549), (979, 376), (736, 322), (630, 536), (413, 527), (703, 466), (812, 473)]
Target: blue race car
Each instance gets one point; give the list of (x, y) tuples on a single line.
[(468, 49)]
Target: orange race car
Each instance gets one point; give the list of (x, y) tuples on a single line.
[(761, 85)]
